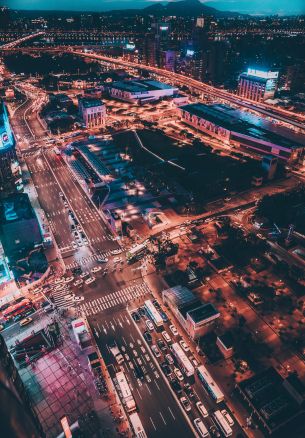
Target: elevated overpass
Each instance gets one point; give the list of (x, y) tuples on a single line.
[(21, 40), (297, 120)]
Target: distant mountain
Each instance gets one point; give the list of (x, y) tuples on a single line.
[(186, 8)]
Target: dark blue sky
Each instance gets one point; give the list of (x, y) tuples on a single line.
[(255, 7)]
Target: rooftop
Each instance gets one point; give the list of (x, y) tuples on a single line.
[(15, 208), (140, 85), (180, 295), (90, 103), (246, 123), (205, 311), (227, 339)]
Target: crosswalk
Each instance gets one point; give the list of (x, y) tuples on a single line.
[(85, 260), (114, 299), (61, 298)]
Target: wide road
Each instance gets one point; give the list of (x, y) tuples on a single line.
[(97, 232), (157, 408)]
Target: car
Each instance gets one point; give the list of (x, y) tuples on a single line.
[(164, 316), (149, 325), (201, 429), (184, 346), (116, 251), (173, 330), (69, 279), (139, 361), (186, 404), (147, 337), (85, 242), (25, 321), (84, 274), (155, 350), (78, 282), (61, 194), (176, 386), (138, 372), (161, 345), (147, 358), (90, 280), (166, 369), (78, 299), (169, 359), (135, 316), (96, 269), (101, 260), (72, 227), (194, 362), (178, 374), (79, 243), (156, 304), (228, 417), (141, 311), (201, 408), (2, 327), (74, 245), (166, 337), (58, 280), (215, 431), (189, 390)]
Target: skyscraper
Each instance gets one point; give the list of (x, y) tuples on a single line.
[(257, 85), (7, 148)]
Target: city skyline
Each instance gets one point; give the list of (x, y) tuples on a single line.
[(256, 7)]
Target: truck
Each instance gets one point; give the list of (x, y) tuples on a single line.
[(116, 353)]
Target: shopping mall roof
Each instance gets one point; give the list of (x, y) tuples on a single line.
[(140, 85), (202, 313), (246, 123)]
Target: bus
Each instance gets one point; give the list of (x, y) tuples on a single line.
[(136, 253), (210, 385), (222, 423), (153, 313), (137, 426), (125, 392), (182, 359), (18, 309)]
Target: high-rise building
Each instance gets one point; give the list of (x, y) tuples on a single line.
[(216, 61), (93, 112), (7, 149), (257, 85)]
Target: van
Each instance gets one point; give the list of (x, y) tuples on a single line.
[(202, 430), (201, 408)]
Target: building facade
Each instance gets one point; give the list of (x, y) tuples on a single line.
[(244, 130), (257, 85), (93, 112), (141, 90), (7, 148)]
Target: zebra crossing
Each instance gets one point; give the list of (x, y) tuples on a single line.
[(85, 260), (121, 296), (62, 299)]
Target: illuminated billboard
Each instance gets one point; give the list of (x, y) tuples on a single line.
[(130, 46), (190, 52), (163, 28), (6, 135), (263, 74)]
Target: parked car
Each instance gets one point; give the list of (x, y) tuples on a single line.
[(166, 336), (155, 350), (149, 325), (184, 346), (228, 417), (173, 330), (186, 404), (178, 374), (147, 337)]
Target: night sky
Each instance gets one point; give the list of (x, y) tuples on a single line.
[(282, 7)]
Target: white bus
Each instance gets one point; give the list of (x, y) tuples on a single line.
[(137, 426), (182, 359), (210, 385), (153, 313), (125, 392), (136, 253), (222, 424)]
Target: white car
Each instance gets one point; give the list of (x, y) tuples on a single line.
[(169, 359), (78, 298), (178, 374), (155, 350), (201, 429), (84, 274), (184, 346), (201, 408), (74, 245), (149, 325), (96, 269), (173, 330), (58, 280), (186, 404), (90, 280), (228, 417), (116, 251), (69, 279), (78, 282), (166, 337), (101, 260)]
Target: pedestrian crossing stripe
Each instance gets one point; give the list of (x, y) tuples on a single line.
[(114, 299), (85, 260)]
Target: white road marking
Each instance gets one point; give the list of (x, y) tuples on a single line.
[(162, 418), (148, 388), (139, 394), (152, 423), (171, 413)]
